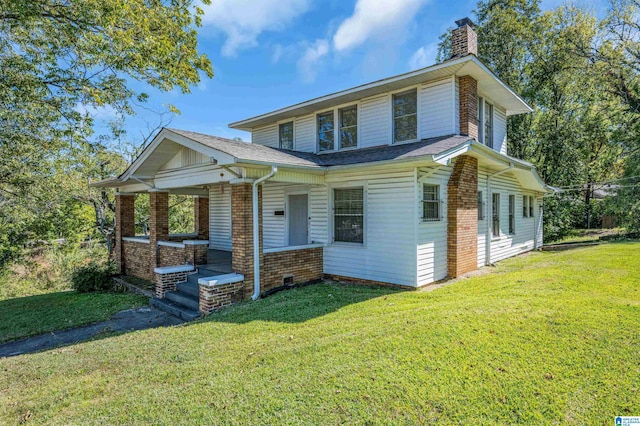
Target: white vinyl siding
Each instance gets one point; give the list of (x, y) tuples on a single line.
[(388, 252), (437, 110), (432, 236), (375, 122), (304, 136), (267, 136), (220, 217), (499, 130), (273, 227)]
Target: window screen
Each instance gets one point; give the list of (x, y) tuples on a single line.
[(431, 202), (405, 116), (348, 215)]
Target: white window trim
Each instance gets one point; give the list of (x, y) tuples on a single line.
[(497, 237), (484, 204), (291, 120), (515, 213), (336, 127), (330, 221), (417, 88), (440, 201), (487, 101), (443, 202)]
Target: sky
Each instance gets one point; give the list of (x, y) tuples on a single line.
[(269, 54)]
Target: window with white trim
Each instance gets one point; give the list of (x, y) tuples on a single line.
[(525, 206), (512, 214), (480, 206), (530, 206), (348, 215), (488, 125), (405, 116), (348, 135), (325, 122), (286, 135), (495, 214), (480, 118), (430, 202)]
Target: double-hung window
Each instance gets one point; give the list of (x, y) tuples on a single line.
[(430, 202), (495, 210), (348, 126), (405, 116), (530, 206), (348, 215), (286, 135), (525, 206), (326, 136), (480, 118), (512, 214), (488, 125), (480, 206)]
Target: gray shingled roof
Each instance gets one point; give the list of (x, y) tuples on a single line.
[(244, 151)]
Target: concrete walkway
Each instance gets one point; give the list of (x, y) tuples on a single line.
[(129, 320)]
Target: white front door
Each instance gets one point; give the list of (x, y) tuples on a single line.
[(298, 219)]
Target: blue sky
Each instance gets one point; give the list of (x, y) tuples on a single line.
[(268, 54)]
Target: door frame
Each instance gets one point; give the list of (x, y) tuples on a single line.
[(287, 211)]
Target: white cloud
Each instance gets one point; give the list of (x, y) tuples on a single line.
[(375, 19), (308, 63), (423, 57), (242, 21)]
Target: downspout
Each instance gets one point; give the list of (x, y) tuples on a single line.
[(256, 231), (487, 245)]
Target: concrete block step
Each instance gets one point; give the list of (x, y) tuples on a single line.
[(183, 299), (174, 309), (190, 288)]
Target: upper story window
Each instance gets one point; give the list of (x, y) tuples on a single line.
[(345, 132), (286, 135), (348, 126), (488, 125), (405, 116), (326, 130)]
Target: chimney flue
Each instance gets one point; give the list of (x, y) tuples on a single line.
[(464, 40)]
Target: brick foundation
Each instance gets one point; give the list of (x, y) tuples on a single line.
[(219, 296), (468, 102), (305, 265), (462, 217), (362, 281)]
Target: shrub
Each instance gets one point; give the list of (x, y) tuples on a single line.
[(92, 277)]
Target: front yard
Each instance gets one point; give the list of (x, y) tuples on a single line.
[(547, 338)]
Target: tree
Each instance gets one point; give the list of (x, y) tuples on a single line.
[(62, 58)]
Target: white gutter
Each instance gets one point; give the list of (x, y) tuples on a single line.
[(488, 235), (256, 231)]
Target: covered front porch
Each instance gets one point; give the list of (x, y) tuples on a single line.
[(220, 262)]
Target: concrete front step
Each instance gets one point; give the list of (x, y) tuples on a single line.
[(175, 309), (193, 278), (183, 299), (190, 288)]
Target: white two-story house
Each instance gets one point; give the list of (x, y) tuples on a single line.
[(403, 181)]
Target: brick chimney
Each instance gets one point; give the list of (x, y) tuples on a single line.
[(464, 40)]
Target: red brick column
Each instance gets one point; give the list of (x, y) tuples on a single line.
[(201, 218), (462, 217), (468, 100), (158, 223), (125, 226), (242, 233)]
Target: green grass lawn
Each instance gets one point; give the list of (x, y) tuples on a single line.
[(31, 315), (547, 338)]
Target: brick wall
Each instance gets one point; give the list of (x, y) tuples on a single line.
[(171, 256), (219, 296), (201, 217), (125, 226), (468, 100), (158, 216), (464, 41), (167, 282), (196, 254), (462, 217), (305, 265), (139, 259), (242, 232)]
